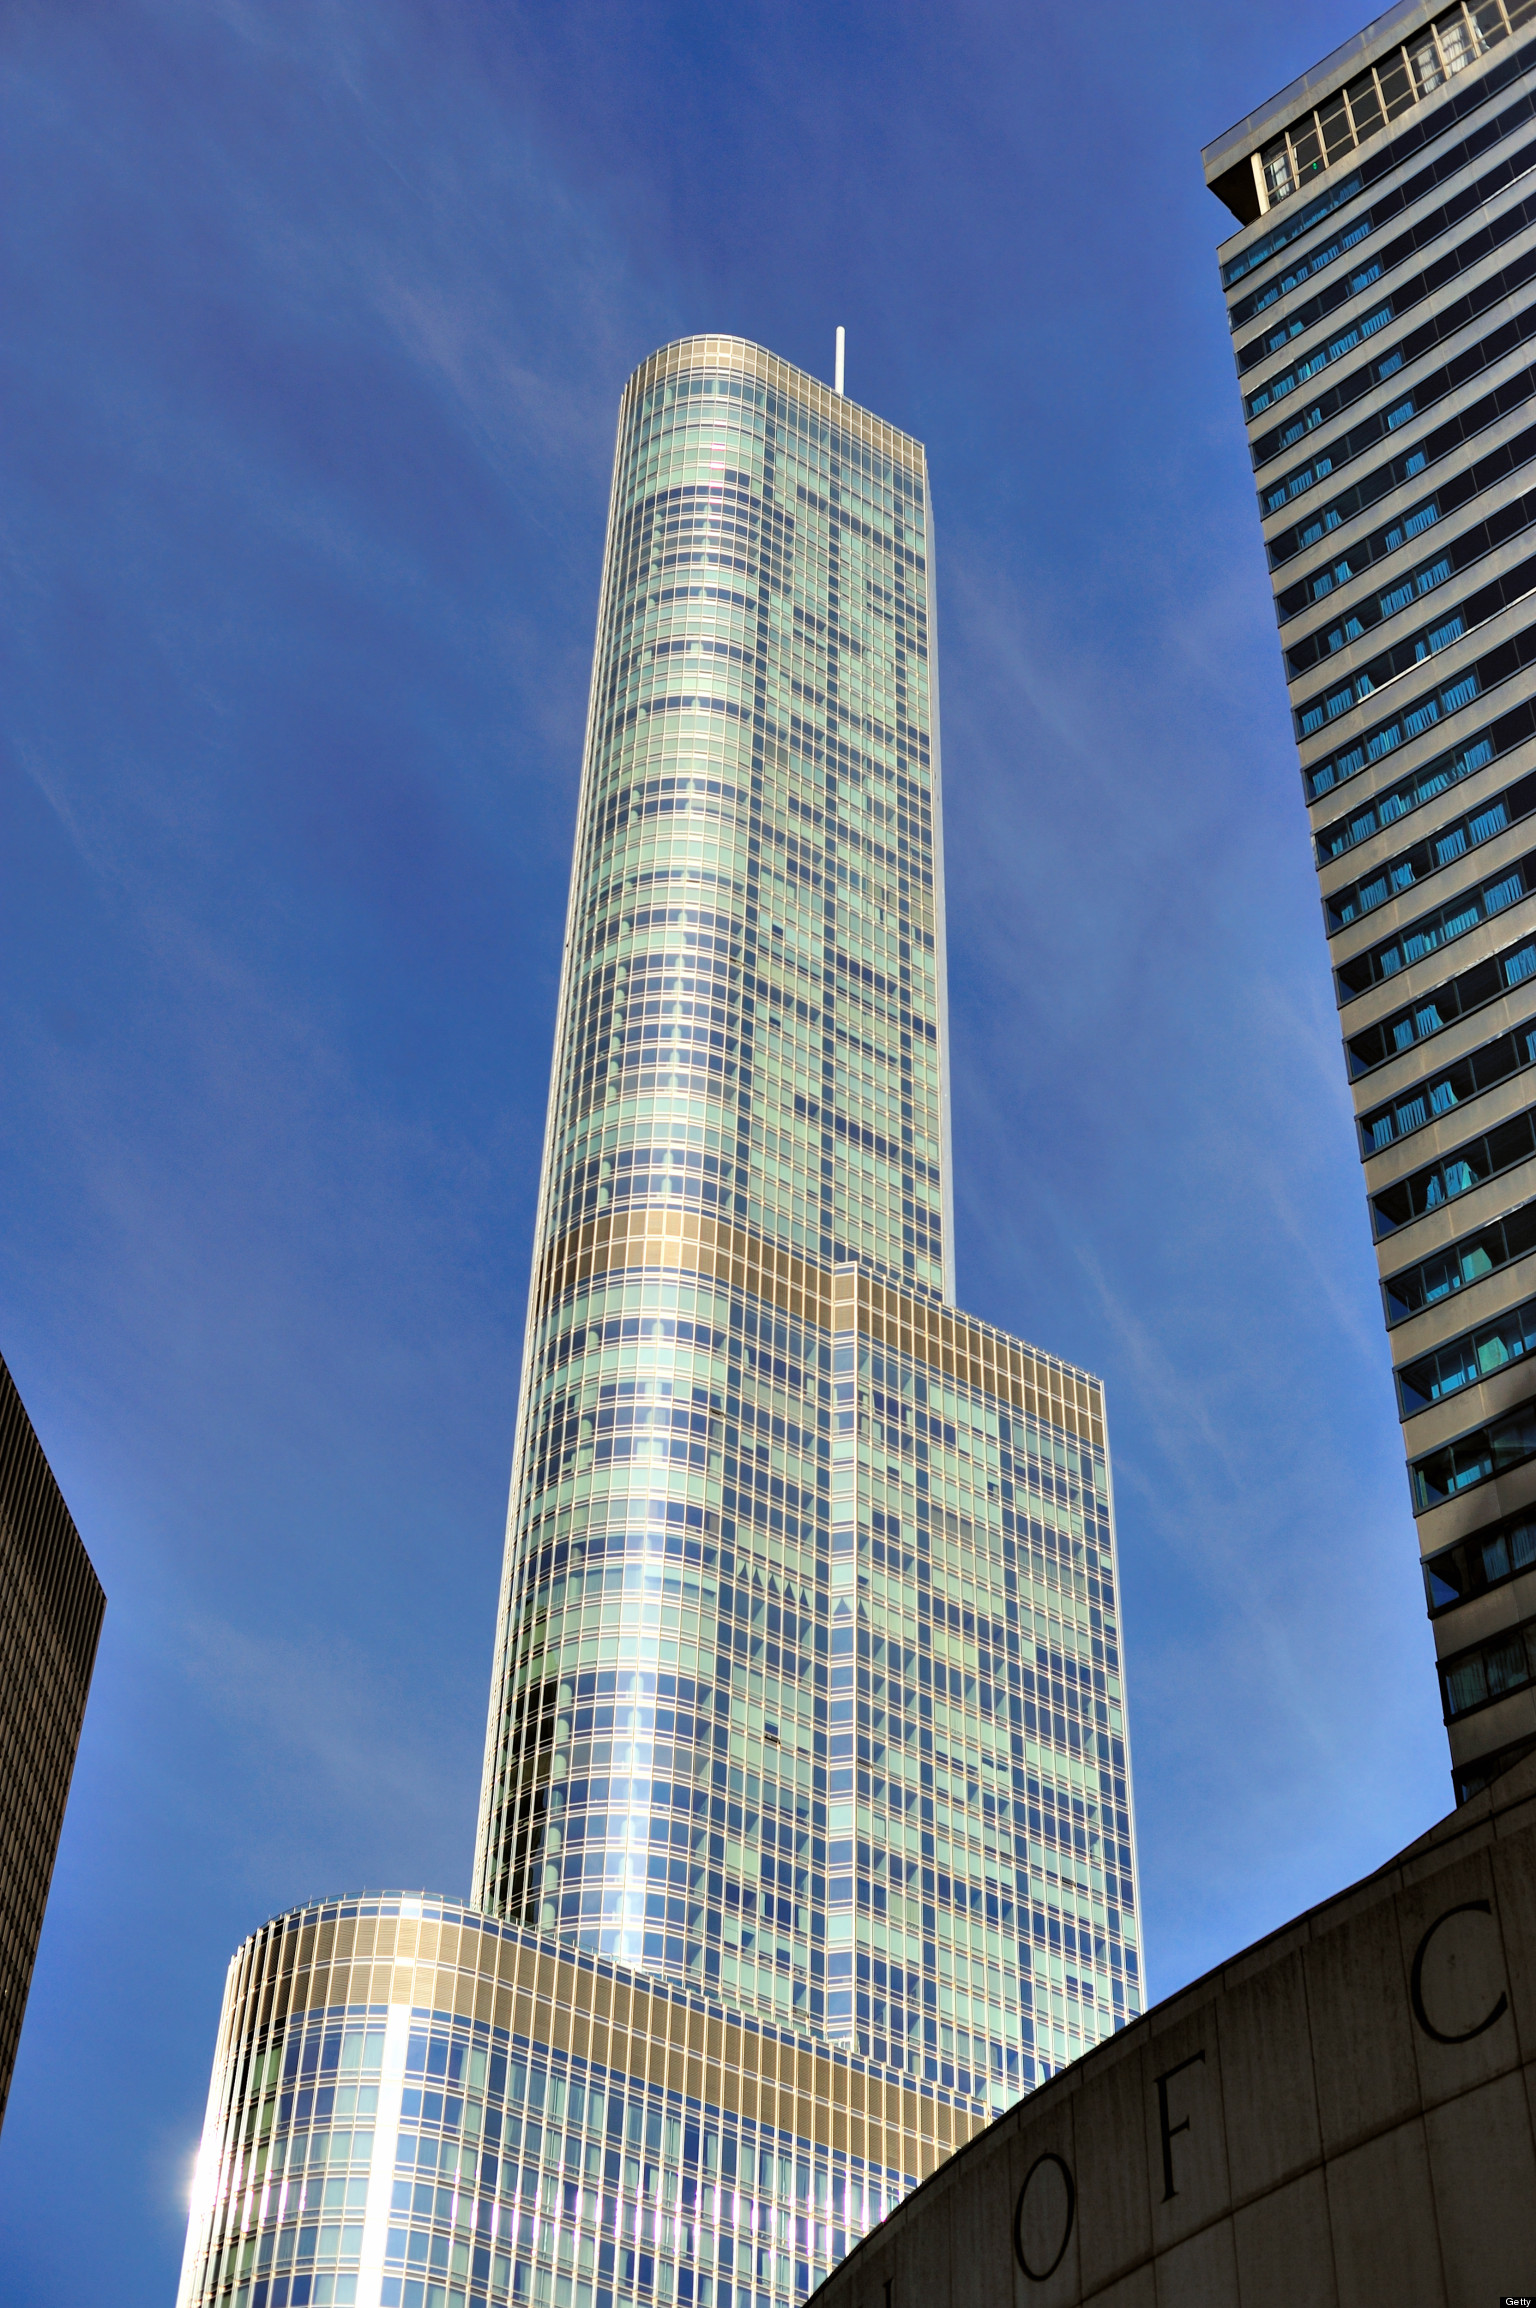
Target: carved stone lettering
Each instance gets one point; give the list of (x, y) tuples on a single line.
[(1043, 2216), (1170, 2132), (1416, 1982)]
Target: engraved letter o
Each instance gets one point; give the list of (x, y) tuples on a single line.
[(1039, 2275)]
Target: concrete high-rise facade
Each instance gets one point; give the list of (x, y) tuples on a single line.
[(51, 1608), (1382, 300), (805, 1838)]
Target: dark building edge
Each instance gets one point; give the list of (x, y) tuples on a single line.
[(51, 1610)]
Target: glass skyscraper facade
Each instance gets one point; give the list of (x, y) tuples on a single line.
[(806, 1748), (416, 2105), (739, 1522), (1382, 299)]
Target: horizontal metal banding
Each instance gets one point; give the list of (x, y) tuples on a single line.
[(691, 356), (593, 2012), (687, 1241)]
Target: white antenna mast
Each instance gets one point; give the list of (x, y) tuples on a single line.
[(837, 383)]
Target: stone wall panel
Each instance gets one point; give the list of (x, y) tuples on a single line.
[(1386, 2245), (1113, 2174), (1362, 2037), (1284, 2251), (1477, 2145), (1270, 2093), (1201, 2272)]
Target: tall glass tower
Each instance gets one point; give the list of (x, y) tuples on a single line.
[(730, 1506), (1380, 295), (805, 1838)]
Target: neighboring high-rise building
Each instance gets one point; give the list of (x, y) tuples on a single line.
[(1382, 298), (51, 1607), (805, 1837)]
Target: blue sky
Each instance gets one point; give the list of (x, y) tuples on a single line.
[(317, 318)]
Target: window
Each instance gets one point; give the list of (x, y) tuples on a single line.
[(1441, 1276), (1285, 545), (1285, 234), (1486, 1559), (1401, 799), (1428, 856), (1455, 1174), (1475, 1458), (1279, 182), (1321, 139), (1365, 105), (1448, 163), (1457, 49), (1503, 1664), (1507, 658), (1457, 998), (1428, 71), (1462, 1362)]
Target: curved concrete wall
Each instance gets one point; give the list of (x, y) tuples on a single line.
[(1340, 2117)]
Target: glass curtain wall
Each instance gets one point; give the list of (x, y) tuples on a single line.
[(751, 1036), (414, 2106), (747, 1129)]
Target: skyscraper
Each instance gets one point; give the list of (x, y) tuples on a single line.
[(1384, 329), (51, 1608), (805, 1836), (760, 1467)]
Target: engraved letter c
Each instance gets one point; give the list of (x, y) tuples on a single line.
[(1416, 1980)]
